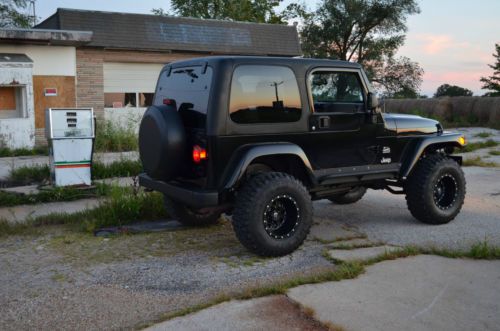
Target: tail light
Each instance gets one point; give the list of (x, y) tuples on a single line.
[(199, 154), (169, 102)]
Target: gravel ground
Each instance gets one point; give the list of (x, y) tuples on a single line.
[(384, 217), (57, 281), (61, 279)]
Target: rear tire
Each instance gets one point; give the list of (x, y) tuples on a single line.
[(352, 196), (189, 216), (435, 190), (273, 214)]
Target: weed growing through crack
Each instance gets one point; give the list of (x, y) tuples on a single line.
[(8, 152), (56, 194), (494, 153), (483, 134), (479, 162), (41, 173), (470, 147)]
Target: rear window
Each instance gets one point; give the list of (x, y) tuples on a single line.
[(264, 94), (189, 87)]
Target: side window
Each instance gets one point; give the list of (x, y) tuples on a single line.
[(336, 91), (264, 94)]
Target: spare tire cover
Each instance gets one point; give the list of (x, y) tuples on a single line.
[(162, 142)]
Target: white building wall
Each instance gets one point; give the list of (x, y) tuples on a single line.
[(18, 132), (47, 60)]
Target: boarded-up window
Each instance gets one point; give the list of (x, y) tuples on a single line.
[(11, 101)]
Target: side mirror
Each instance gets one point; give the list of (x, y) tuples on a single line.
[(372, 101)]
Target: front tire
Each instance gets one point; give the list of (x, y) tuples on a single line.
[(272, 214), (435, 190), (189, 216), (352, 196)]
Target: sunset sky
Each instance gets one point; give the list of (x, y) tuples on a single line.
[(453, 40)]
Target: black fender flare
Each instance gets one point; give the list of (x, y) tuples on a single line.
[(244, 156), (415, 150)]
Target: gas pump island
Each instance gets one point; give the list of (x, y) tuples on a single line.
[(70, 133)]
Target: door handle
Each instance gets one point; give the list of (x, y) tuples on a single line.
[(324, 122)]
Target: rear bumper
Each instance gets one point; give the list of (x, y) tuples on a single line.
[(189, 196)]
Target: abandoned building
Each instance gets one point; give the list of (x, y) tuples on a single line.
[(110, 61)]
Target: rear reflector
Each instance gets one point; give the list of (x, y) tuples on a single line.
[(199, 154)]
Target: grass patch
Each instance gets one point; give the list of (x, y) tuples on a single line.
[(7, 152), (483, 135), (7, 229), (41, 173), (30, 174), (9, 199), (113, 138), (470, 147), (123, 206), (478, 162), (494, 153)]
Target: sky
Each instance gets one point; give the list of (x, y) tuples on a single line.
[(452, 40)]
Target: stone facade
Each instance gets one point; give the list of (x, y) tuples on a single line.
[(90, 80)]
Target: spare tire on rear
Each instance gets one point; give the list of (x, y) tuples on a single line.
[(162, 142)]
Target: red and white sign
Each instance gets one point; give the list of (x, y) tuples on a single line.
[(50, 92)]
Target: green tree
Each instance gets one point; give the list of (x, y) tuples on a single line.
[(447, 90), (258, 11), (368, 32), (493, 82), (11, 14)]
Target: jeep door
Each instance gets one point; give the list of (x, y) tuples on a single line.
[(342, 128)]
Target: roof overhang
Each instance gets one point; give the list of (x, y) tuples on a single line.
[(45, 37)]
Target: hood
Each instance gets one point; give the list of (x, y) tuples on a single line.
[(405, 125)]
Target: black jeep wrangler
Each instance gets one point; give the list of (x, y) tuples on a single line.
[(259, 138)]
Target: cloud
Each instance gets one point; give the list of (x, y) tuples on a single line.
[(438, 43)]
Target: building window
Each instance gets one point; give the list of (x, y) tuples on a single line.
[(120, 100), (12, 101), (264, 94), (146, 99), (128, 100)]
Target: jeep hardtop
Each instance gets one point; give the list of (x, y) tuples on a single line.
[(259, 138)]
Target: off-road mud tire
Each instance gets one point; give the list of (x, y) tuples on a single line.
[(422, 189), (261, 198)]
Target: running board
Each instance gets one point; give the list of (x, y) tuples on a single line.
[(357, 173)]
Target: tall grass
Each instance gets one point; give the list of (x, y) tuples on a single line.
[(111, 137), (452, 112)]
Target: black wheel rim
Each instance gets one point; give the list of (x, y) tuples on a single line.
[(445, 192), (281, 217)]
